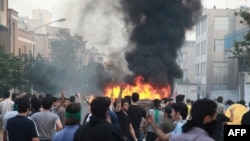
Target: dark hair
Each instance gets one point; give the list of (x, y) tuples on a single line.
[(229, 102), (135, 97), (35, 103), (23, 104), (165, 99), (157, 103), (182, 108), (168, 111), (14, 96), (200, 109), (72, 99), (99, 106), (179, 98), (220, 99), (73, 114), (188, 101), (47, 102), (128, 97), (124, 100), (6, 94)]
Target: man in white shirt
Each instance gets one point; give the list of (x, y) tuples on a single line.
[(5, 106)]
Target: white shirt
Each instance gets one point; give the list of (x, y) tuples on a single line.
[(6, 106)]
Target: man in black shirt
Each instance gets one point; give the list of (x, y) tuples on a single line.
[(98, 128), (21, 128), (136, 114)]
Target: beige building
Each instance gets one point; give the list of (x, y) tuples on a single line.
[(42, 45), (39, 17), (54, 33), (25, 43), (211, 66), (3, 14)]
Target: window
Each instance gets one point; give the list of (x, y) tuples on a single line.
[(204, 25), (19, 52), (221, 23), (2, 5), (205, 46), (198, 49), (184, 74), (201, 48), (198, 29), (220, 71), (218, 45)]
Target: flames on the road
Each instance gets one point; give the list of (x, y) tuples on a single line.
[(145, 90)]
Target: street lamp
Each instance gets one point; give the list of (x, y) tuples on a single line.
[(59, 20), (33, 39)]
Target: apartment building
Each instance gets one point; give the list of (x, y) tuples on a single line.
[(212, 70)]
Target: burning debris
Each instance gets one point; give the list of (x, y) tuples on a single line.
[(145, 89)]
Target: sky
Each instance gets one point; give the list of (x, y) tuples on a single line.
[(97, 20)]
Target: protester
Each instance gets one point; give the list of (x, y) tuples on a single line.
[(122, 106), (136, 114), (178, 114), (46, 121), (202, 124), (72, 123), (5, 106), (98, 128), (20, 127)]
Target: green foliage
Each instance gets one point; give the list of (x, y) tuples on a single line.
[(242, 47), (11, 71), (41, 74)]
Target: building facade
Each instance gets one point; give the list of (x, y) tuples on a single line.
[(3, 14), (186, 57), (4, 23), (212, 72), (39, 17), (93, 55)]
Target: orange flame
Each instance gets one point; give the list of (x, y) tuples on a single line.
[(144, 89)]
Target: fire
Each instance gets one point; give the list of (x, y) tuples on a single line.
[(145, 90)]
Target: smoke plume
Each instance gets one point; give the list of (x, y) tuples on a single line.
[(158, 31)]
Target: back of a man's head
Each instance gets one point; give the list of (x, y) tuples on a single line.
[(202, 108), (7, 94), (179, 98), (220, 99), (22, 104), (99, 106), (135, 97), (157, 103), (47, 102), (182, 108)]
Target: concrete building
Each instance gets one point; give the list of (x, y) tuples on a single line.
[(39, 17), (4, 23), (55, 33), (92, 55), (212, 70), (16, 41), (9, 37), (186, 57), (24, 44), (3, 14)]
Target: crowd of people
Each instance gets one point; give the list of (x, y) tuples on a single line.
[(49, 118)]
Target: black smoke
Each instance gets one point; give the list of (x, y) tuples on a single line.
[(158, 32)]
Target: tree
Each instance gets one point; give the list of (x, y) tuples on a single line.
[(42, 75), (63, 53), (11, 71), (241, 49)]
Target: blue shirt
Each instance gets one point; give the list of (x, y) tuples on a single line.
[(177, 129), (66, 134)]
